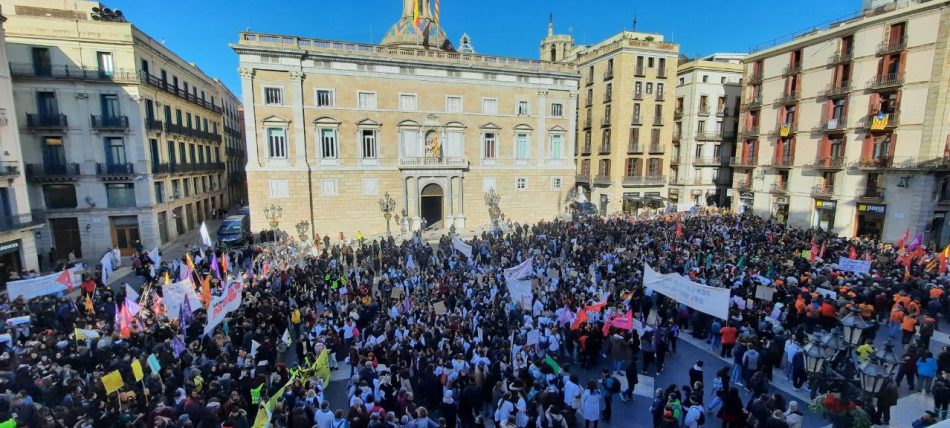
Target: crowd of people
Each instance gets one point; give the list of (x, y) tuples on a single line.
[(432, 338)]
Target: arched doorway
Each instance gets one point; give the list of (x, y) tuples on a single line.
[(431, 202)]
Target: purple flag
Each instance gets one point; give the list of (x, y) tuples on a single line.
[(184, 271), (132, 306), (184, 317), (215, 267), (178, 346), (916, 242), (116, 319)]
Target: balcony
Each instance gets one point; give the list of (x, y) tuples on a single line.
[(750, 132), (661, 73), (154, 125), (634, 147), (639, 72), (823, 191), (604, 148), (590, 80), (608, 97), (841, 57), (743, 162), (675, 161), (879, 163), (637, 120), (432, 163), (638, 96), (199, 167), (703, 111), (792, 69), (658, 120), (582, 178), (114, 170), (161, 168), (608, 74), (707, 161), (605, 121), (46, 121), (16, 222), (9, 170), (744, 187), (754, 78), (659, 96), (157, 82), (656, 148), (753, 103), (709, 136), (833, 125), (585, 149), (891, 80), (587, 122), (677, 136), (678, 113), (52, 172), (722, 112), (602, 180), (881, 122), (643, 180), (870, 194), (888, 47), (590, 102), (826, 163), (788, 98), (680, 181), (70, 72), (782, 162), (835, 91), (110, 122), (779, 188), (785, 129)]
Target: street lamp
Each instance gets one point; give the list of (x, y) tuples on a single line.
[(854, 327), (273, 214), (302, 227), (494, 213), (872, 376), (387, 205), (888, 358), (814, 357)]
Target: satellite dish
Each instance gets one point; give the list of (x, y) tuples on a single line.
[(95, 10), (96, 18), (118, 13)]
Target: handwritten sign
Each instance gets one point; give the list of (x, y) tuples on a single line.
[(852, 265)]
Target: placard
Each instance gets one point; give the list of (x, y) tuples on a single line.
[(710, 300), (439, 308), (765, 293), (853, 265)]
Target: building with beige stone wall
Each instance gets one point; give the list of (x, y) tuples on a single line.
[(625, 127), (121, 138), (846, 128), (331, 127)]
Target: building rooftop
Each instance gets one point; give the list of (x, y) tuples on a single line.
[(627, 39)]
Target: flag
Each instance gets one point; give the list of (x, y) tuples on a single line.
[(125, 319), (224, 327), (168, 280), (224, 263), (903, 240), (785, 129), (579, 319), (879, 121), (679, 229), (82, 334), (436, 145), (89, 307), (131, 306), (741, 263), (178, 346), (814, 252), (256, 394), (184, 317), (206, 291), (286, 337), (188, 261), (943, 265), (205, 236), (406, 303), (214, 266), (117, 318), (66, 280), (919, 239), (853, 255), (624, 322), (552, 364), (596, 307), (254, 346), (821, 253), (129, 292)]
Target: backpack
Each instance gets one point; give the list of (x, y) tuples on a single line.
[(614, 386), (702, 417)]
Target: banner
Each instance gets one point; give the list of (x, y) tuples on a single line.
[(462, 247), (176, 293), (520, 291), (520, 271), (220, 306), (710, 300), (205, 236), (852, 265), (763, 292), (44, 285)]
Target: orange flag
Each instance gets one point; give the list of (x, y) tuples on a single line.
[(191, 264), (224, 263), (206, 290), (89, 307), (580, 319)]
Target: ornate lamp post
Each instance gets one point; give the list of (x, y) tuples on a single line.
[(387, 205), (273, 214), (302, 227), (494, 213)]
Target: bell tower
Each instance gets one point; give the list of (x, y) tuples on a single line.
[(418, 27), (556, 47)]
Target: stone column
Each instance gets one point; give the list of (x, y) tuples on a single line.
[(250, 121), (299, 127), (460, 218), (449, 219), (541, 127), (570, 141)]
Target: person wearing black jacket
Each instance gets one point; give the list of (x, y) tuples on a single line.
[(886, 399), (941, 393), (633, 379)]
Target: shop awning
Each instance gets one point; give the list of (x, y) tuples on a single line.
[(633, 198)]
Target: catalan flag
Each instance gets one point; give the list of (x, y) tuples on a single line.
[(879, 121), (785, 129)]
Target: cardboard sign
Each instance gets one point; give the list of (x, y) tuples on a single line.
[(396, 293), (113, 382), (137, 370), (439, 308), (765, 293)]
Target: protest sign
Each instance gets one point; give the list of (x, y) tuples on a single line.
[(176, 293), (852, 265), (44, 285), (461, 247), (220, 306), (520, 271), (137, 370), (439, 308), (710, 300), (765, 293), (112, 381), (153, 364)]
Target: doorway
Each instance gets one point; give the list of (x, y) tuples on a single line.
[(125, 233), (431, 202), (66, 237)]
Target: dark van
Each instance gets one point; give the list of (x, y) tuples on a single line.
[(233, 231)]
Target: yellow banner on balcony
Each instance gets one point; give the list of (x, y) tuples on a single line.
[(785, 129), (879, 121)]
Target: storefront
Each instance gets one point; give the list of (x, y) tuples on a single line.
[(824, 217), (654, 200), (870, 221), (631, 202), (10, 260), (780, 209), (674, 195), (746, 200)]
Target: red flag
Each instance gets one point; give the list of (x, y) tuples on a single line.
[(596, 307), (679, 229), (853, 255), (66, 280), (579, 319), (822, 252), (900, 242), (814, 251), (943, 264)]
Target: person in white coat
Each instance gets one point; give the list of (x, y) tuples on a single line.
[(590, 405)]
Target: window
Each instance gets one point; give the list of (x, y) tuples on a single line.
[(370, 186), (328, 187), (489, 144), (488, 183), (557, 110), (42, 66), (159, 192), (46, 103), (521, 146), (328, 147), (60, 196), (659, 90), (490, 105), (407, 102), (368, 140), (325, 98), (556, 183), (521, 183), (366, 100), (106, 67), (453, 104), (53, 151), (722, 80), (650, 62), (115, 151), (682, 81), (705, 78), (557, 146), (277, 143), (278, 189), (272, 96), (120, 195), (649, 88), (638, 89), (186, 184), (701, 127), (522, 109)]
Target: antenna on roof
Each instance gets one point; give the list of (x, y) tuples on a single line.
[(634, 22)]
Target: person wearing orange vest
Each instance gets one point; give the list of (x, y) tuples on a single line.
[(897, 316), (908, 327)]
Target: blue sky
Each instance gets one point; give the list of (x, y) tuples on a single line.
[(200, 30)]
